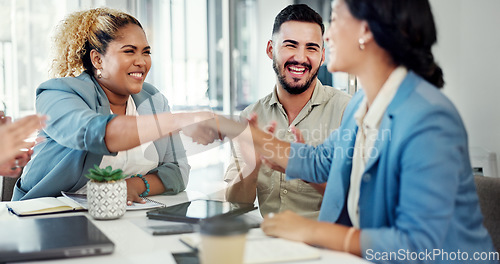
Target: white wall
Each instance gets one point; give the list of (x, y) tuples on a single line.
[(267, 11), (468, 50)]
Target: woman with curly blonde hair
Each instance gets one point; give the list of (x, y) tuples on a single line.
[(103, 113)]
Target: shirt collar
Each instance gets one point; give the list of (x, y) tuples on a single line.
[(317, 98), (130, 110), (371, 117), (361, 112)]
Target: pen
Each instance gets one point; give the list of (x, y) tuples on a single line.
[(195, 249)]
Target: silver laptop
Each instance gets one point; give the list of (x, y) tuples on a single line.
[(51, 238)]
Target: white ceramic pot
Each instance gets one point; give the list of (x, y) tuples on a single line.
[(107, 200)]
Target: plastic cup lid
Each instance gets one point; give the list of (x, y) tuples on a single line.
[(223, 226)]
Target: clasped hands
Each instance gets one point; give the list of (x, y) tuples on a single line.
[(206, 127), (209, 127)]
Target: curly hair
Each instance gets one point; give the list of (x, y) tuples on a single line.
[(81, 32)]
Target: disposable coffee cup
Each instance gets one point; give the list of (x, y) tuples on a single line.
[(223, 240)]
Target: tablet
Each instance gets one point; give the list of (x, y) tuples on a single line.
[(196, 210), (51, 238)]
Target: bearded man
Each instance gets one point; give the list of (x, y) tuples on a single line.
[(300, 108)]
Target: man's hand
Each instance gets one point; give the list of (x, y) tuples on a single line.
[(202, 127), (250, 156)]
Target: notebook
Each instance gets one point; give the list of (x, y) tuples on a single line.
[(44, 205), (194, 211), (51, 238), (69, 202), (81, 199)]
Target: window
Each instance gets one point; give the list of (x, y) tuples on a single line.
[(203, 54)]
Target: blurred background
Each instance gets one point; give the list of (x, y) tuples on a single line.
[(210, 54)]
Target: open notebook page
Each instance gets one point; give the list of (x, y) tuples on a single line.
[(260, 248)]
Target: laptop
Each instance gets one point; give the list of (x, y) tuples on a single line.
[(51, 238), (196, 210)]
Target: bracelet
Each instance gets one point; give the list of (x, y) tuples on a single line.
[(348, 238), (218, 126), (146, 192)]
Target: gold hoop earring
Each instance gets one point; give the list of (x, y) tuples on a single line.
[(361, 44), (99, 74)]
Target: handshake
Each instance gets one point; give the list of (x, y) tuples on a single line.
[(257, 146), (206, 127)]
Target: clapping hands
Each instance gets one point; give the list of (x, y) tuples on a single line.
[(15, 151), (298, 139)]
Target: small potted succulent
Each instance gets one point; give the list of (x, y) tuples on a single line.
[(106, 193)]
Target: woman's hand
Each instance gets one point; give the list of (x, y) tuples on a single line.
[(205, 127), (13, 135), (14, 166), (135, 186), (292, 226), (202, 127), (288, 225), (298, 139)]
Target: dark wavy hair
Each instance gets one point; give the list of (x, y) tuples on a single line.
[(405, 29), (298, 12)]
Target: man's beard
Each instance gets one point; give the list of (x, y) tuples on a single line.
[(290, 88)]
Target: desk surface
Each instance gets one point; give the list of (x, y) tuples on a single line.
[(134, 245)]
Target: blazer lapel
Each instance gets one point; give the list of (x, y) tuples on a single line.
[(146, 106), (385, 131), (102, 106), (383, 139)]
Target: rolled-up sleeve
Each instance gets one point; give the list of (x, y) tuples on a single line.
[(171, 176)]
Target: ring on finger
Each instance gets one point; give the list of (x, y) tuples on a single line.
[(16, 165)]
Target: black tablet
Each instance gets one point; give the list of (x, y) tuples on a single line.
[(196, 210), (31, 239)]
